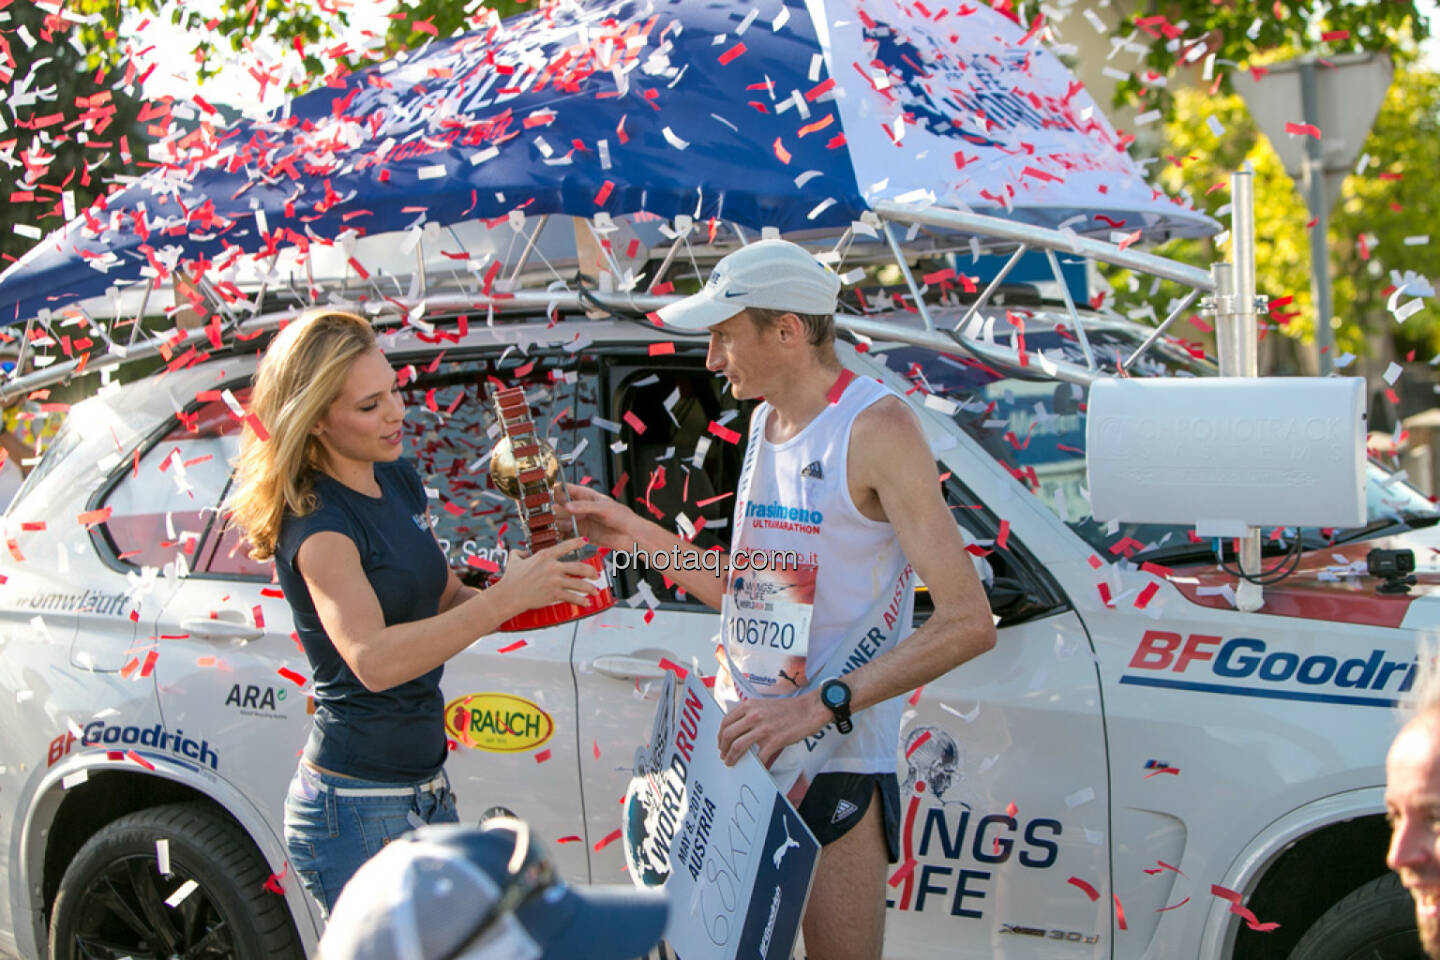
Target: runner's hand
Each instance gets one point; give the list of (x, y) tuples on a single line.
[(771, 725), (606, 522), (544, 578)]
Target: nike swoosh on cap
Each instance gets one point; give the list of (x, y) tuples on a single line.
[(735, 293)]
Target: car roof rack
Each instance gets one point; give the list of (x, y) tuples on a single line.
[(438, 287)]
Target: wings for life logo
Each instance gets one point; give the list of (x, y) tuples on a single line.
[(971, 96)]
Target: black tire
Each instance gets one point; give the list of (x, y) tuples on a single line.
[(1375, 922), (111, 902)]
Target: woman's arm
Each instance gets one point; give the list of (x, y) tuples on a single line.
[(383, 657)]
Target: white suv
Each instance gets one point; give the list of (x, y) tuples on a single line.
[(1131, 741)]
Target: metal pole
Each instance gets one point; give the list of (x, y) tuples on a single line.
[(1319, 206), (1238, 343)]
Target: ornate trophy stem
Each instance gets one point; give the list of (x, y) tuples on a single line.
[(526, 469)]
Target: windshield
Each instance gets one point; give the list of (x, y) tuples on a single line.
[(1035, 428)]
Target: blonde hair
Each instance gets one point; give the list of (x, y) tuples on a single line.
[(299, 377)]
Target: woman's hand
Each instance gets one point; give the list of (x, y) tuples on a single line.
[(603, 521), (544, 578)]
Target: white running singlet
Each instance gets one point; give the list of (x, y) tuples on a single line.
[(780, 628)]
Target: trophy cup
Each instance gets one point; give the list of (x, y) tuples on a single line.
[(524, 468)]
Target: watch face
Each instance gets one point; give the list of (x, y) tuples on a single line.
[(834, 694)]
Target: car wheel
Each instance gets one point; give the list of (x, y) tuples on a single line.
[(1375, 922), (113, 901)]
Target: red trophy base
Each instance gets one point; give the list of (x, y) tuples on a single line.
[(564, 612)]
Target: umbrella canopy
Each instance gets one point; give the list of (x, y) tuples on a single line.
[(796, 115)]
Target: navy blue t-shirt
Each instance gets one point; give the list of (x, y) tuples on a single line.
[(397, 735)]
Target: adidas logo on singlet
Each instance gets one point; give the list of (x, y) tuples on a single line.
[(812, 469), (843, 809)]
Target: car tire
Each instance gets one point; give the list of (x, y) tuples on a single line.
[(112, 898), (1375, 922)]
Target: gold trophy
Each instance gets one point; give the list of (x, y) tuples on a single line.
[(524, 468)]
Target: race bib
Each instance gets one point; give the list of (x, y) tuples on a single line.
[(767, 616)]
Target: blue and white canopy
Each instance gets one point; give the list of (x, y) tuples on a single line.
[(793, 114)]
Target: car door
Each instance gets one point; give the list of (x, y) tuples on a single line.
[(1005, 825), (680, 473)]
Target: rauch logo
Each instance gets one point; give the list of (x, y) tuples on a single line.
[(497, 722)]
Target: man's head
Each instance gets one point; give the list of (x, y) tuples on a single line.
[(489, 893), (1412, 804), (768, 306)]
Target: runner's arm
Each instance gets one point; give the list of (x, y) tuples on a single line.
[(608, 523), (891, 457)]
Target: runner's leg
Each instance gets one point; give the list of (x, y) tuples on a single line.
[(845, 918)]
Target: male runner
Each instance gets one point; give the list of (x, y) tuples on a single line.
[(836, 469)]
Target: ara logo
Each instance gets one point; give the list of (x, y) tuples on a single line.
[(813, 470), (256, 701)]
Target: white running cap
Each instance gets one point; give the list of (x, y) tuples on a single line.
[(770, 274)]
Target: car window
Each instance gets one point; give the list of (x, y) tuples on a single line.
[(1035, 428), (164, 507), (677, 471), (450, 432)]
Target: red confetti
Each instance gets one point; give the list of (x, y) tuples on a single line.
[(1120, 911), (273, 884), (781, 153), (1146, 595), (1306, 129), (292, 676), (660, 349), (94, 516), (635, 422), (610, 838), (1173, 906), (149, 666), (836, 389), (512, 647), (919, 742), (729, 55), (1089, 891), (724, 433), (134, 757), (667, 664), (259, 616), (542, 756), (1011, 809), (603, 194), (903, 874), (915, 697), (1002, 539)]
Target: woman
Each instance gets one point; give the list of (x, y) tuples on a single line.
[(325, 491)]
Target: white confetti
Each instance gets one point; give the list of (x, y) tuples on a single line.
[(967, 717), (479, 157), (434, 171), (674, 140), (73, 780), (1216, 127), (1148, 117), (1418, 240), (820, 208), (781, 18), (1094, 20), (162, 856), (1392, 373), (936, 402), (1079, 797), (181, 892), (816, 60), (806, 177), (603, 147)]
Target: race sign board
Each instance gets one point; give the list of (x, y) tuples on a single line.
[(734, 857)]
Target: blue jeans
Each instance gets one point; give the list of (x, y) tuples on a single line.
[(334, 824)]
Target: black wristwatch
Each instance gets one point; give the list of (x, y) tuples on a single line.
[(836, 695)]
